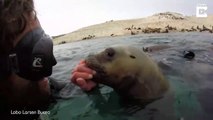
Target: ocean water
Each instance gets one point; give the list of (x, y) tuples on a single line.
[(191, 81)]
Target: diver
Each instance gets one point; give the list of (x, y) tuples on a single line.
[(26, 59)]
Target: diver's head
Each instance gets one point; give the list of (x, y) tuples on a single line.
[(13, 20), (25, 49)]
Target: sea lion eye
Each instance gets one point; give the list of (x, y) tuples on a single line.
[(132, 56), (110, 52)]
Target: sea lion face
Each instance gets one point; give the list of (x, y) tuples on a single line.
[(126, 69), (114, 63)]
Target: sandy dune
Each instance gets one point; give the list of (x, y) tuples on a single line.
[(157, 23)]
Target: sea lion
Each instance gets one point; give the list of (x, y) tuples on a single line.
[(129, 71), (155, 48)]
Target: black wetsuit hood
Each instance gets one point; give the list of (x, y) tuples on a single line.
[(32, 58)]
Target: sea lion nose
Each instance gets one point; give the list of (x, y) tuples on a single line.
[(110, 52)]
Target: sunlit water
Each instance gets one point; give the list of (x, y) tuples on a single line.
[(191, 81)]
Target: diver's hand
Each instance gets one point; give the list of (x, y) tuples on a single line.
[(82, 76)]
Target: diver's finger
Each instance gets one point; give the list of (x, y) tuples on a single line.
[(82, 62), (77, 75), (80, 82), (86, 85), (90, 85), (84, 68)]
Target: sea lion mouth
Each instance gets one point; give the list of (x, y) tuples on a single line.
[(96, 63), (93, 63), (102, 77)]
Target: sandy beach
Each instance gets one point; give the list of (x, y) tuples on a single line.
[(157, 23)]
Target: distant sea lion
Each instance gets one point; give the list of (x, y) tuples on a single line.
[(155, 48), (129, 71)]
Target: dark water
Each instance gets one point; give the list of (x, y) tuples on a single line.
[(190, 97)]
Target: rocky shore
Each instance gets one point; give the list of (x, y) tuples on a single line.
[(157, 23)]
